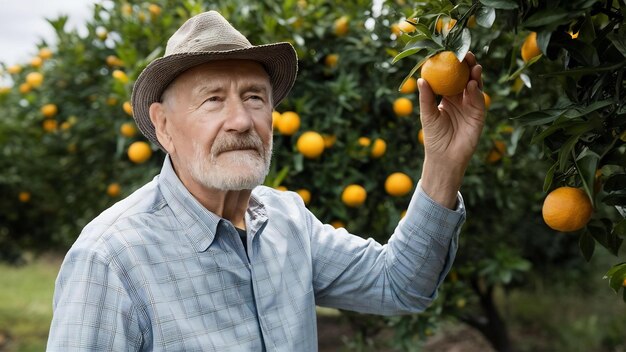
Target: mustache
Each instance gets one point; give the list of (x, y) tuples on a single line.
[(228, 142)]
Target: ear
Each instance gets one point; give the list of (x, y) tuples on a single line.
[(159, 118)]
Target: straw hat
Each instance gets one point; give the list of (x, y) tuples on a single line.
[(203, 38)]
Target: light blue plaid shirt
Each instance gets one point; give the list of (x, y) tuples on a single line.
[(158, 272)]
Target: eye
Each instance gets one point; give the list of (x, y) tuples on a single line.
[(256, 97)]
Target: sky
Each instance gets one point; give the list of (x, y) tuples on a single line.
[(23, 24)]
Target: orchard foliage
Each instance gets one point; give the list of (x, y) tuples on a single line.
[(59, 170)]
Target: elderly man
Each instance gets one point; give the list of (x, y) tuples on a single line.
[(202, 258)]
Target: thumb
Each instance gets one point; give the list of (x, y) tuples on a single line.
[(428, 103)]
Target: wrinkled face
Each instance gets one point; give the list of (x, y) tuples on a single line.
[(218, 124)]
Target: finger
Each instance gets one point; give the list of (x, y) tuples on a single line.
[(476, 75), (470, 59), (428, 102), (474, 95)]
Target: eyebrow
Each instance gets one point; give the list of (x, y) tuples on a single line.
[(254, 88)]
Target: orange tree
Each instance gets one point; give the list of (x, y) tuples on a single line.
[(583, 130), (350, 123)]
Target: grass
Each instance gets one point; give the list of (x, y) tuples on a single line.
[(552, 316), (26, 304)]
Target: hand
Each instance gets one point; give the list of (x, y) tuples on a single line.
[(451, 132)]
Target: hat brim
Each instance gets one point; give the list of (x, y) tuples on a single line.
[(279, 60)]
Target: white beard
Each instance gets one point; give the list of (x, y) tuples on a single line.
[(235, 170)]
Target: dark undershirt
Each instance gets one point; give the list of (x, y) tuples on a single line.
[(242, 235)]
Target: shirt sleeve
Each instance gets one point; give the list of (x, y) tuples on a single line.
[(92, 309), (401, 277)]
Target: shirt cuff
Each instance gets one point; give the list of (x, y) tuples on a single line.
[(426, 214)]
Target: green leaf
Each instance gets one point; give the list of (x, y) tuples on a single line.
[(620, 228), (587, 245), (617, 279), (587, 165), (584, 70), (540, 117), (615, 199), (485, 16), (615, 268), (619, 40), (547, 183), (552, 16), (579, 111), (500, 4), (461, 44), (615, 183), (565, 152), (598, 232), (414, 46), (418, 65)]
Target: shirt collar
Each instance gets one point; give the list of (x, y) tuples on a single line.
[(199, 223)]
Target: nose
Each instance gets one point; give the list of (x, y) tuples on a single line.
[(238, 118)]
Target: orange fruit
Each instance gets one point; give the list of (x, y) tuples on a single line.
[(337, 224), (45, 53), (14, 69), (530, 48), (449, 25), (127, 9), (49, 125), (25, 88), (139, 152), (395, 29), (114, 190), (329, 140), (275, 117), (487, 100), (406, 27), (24, 197), (497, 151), (66, 126), (624, 283), (410, 86), (49, 110), (310, 144), (353, 195), (154, 10), (305, 195), (120, 76), (36, 62), (113, 60), (340, 27), (398, 184), (111, 101), (34, 79), (128, 129), (288, 123), (281, 188), (420, 136), (331, 60), (379, 148), (128, 108), (364, 141), (402, 107), (567, 209), (445, 74), (471, 21)]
